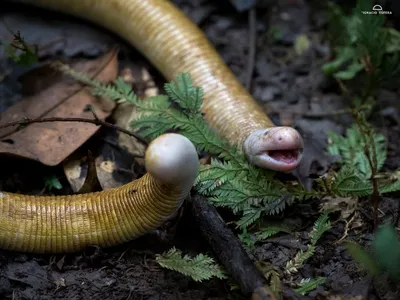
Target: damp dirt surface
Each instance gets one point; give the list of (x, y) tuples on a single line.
[(293, 90)]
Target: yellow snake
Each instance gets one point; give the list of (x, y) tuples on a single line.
[(55, 224), (173, 44)]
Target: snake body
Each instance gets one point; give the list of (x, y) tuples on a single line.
[(174, 45), (61, 224)]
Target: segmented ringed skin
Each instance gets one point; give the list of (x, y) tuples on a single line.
[(60, 224)]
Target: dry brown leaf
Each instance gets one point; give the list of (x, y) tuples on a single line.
[(91, 183), (114, 166), (75, 170), (38, 79), (123, 115), (346, 205), (116, 159), (105, 171), (51, 143), (205, 160)]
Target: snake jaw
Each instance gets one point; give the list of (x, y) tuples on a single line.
[(276, 148)]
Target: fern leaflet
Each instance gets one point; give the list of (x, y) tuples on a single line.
[(307, 285), (199, 268)]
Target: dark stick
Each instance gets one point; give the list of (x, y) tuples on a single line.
[(95, 121), (229, 250)]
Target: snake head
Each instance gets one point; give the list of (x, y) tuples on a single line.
[(276, 148)]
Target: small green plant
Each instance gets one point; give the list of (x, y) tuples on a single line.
[(52, 182), (308, 285), (363, 153), (384, 255), (320, 227), (369, 52), (251, 238), (199, 268), (363, 47), (19, 51), (272, 275)]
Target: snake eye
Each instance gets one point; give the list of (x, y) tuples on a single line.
[(266, 132)]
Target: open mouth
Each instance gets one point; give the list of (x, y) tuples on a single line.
[(278, 148), (285, 156)]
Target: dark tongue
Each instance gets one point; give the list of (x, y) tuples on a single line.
[(286, 156)]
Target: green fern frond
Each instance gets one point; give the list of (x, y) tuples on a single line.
[(308, 285), (274, 281), (251, 197), (346, 175), (390, 187), (320, 227), (360, 189), (360, 36), (278, 205), (269, 231), (295, 264), (154, 105), (20, 51), (119, 92), (243, 196), (247, 239), (239, 191), (299, 193), (348, 184), (185, 94), (352, 148), (122, 91), (193, 125), (218, 172), (354, 177), (189, 121), (199, 268), (250, 215)]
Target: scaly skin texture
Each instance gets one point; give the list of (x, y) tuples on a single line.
[(174, 45), (59, 224)]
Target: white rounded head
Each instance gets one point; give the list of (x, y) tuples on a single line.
[(172, 159), (276, 148)]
